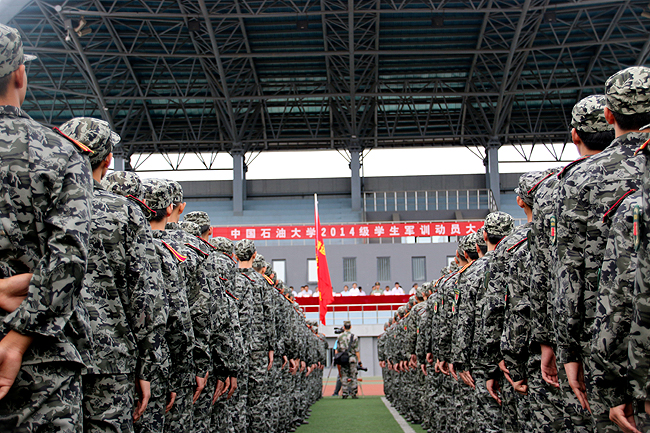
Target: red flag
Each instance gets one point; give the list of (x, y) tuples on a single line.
[(324, 282)]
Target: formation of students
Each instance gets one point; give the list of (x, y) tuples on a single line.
[(543, 327), (119, 317)]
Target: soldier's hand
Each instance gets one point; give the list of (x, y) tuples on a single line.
[(468, 379), (444, 367), (12, 348), (170, 401), (452, 371), (285, 359), (233, 387), (424, 369), (521, 386), (200, 384), (506, 372), (493, 388), (303, 365), (623, 416), (576, 377), (143, 389), (270, 366), (13, 291), (221, 388), (430, 358), (549, 366)]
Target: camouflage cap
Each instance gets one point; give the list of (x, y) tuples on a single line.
[(157, 193), (499, 223), (223, 245), (245, 249), (177, 192), (401, 311), (192, 228), (94, 133), (200, 218), (11, 56), (128, 184), (259, 261), (467, 243), (528, 183), (453, 267), (628, 91), (588, 115), (479, 238)]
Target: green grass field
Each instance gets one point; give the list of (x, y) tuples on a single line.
[(367, 414)]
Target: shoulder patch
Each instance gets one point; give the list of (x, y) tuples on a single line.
[(553, 229), (181, 258), (615, 206), (80, 145), (207, 243), (569, 166), (521, 242), (204, 254)]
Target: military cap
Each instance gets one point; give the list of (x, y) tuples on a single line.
[(157, 193), (528, 183), (467, 244), (128, 184), (401, 311), (202, 219), (453, 267), (269, 269), (11, 55), (588, 115), (177, 192), (347, 323), (419, 293), (479, 238), (499, 223), (628, 91), (259, 261), (191, 228), (94, 133), (223, 245), (245, 249)]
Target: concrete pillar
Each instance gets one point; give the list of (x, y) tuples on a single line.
[(118, 163), (238, 184), (492, 169), (355, 167)]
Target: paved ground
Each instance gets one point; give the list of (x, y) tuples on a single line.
[(368, 386)]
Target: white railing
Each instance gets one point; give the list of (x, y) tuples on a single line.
[(453, 199)]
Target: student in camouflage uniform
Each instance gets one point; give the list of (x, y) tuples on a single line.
[(350, 343), (45, 212), (123, 294), (177, 373), (584, 200)]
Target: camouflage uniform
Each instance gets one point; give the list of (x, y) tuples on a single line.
[(123, 293), (584, 201), (45, 213), (348, 341)]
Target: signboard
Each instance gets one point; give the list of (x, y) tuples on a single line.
[(350, 231)]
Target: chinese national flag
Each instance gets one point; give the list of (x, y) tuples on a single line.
[(324, 283)]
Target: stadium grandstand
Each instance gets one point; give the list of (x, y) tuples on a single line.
[(193, 80)]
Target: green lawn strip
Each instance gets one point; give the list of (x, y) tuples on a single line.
[(366, 414)]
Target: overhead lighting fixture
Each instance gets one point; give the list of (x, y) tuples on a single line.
[(302, 23), (193, 25), (549, 17), (81, 29), (438, 21)]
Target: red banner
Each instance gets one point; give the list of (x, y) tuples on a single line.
[(344, 231)]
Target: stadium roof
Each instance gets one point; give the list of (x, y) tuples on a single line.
[(239, 76)]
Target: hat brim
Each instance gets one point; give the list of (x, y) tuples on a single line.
[(29, 57)]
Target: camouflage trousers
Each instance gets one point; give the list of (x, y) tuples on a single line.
[(181, 416), (349, 379), (45, 397), (235, 408), (428, 398), (488, 412), (546, 402), (108, 401), (257, 406), (509, 408), (445, 420), (416, 391), (464, 402), (153, 419), (599, 409), (203, 407)]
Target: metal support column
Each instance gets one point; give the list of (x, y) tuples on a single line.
[(355, 167), (492, 169), (238, 184), (118, 163)]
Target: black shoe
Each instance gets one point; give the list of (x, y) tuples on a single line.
[(305, 422), (344, 397), (354, 397)]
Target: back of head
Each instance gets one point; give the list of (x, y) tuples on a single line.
[(94, 133), (129, 185), (200, 218), (588, 119), (244, 250), (223, 245), (628, 97), (158, 196), (191, 228), (498, 225), (11, 55)]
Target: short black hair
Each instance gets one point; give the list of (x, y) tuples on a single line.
[(473, 255), (4, 84), (597, 140), (483, 248), (160, 214), (347, 326), (631, 121), (493, 239)]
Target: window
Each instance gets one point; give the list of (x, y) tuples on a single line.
[(350, 269), (279, 267), (312, 271), (383, 269), (419, 268)]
